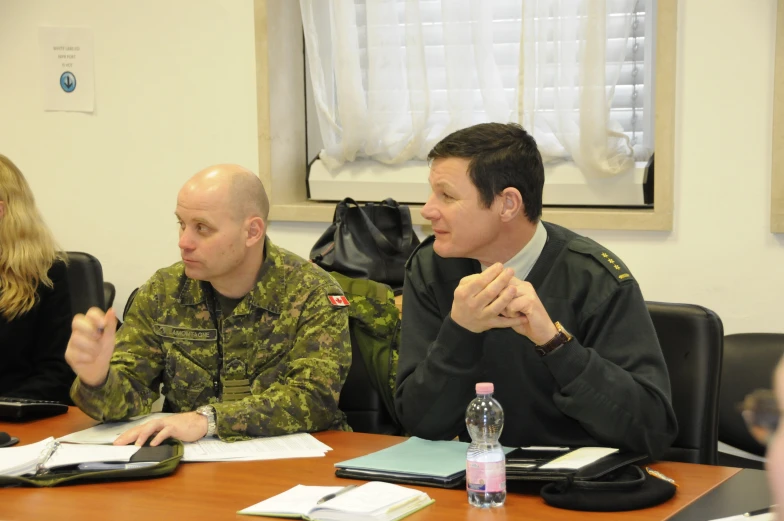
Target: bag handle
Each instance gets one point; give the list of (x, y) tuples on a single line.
[(405, 222), (379, 238), (342, 207)]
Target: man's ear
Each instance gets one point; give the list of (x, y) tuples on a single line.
[(256, 230), (511, 204)]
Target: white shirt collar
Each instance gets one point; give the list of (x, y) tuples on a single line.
[(524, 260)]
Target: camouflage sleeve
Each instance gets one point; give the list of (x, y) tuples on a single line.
[(134, 376), (304, 397)]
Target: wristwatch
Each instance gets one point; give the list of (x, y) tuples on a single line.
[(560, 338), (208, 411)]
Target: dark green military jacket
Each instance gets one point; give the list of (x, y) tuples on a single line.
[(609, 386), (286, 352)]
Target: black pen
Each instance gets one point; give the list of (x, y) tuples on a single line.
[(335, 494), (759, 512)]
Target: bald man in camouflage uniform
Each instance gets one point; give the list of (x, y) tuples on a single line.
[(247, 338)]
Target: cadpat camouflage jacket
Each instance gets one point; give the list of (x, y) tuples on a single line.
[(286, 352)]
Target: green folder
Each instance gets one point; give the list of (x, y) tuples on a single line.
[(415, 456), (415, 461)]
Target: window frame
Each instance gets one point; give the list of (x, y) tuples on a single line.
[(777, 163), (282, 133)]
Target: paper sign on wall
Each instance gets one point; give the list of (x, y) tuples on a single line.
[(67, 68)]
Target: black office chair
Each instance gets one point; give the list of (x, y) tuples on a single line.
[(361, 399), (85, 278), (749, 361), (691, 339), (364, 408), (108, 294)]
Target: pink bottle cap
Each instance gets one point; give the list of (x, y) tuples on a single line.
[(484, 388)]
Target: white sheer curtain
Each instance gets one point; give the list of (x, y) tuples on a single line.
[(392, 77), (573, 56)]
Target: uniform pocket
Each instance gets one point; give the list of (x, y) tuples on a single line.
[(188, 380)]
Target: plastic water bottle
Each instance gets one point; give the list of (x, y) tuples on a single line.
[(485, 459)]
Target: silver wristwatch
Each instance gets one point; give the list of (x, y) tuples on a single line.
[(208, 411)]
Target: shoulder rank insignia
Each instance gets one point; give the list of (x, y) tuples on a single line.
[(604, 257), (338, 301), (615, 267)]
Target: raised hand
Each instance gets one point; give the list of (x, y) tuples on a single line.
[(91, 345)]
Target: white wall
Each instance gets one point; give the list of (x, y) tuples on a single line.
[(175, 91), (175, 87)]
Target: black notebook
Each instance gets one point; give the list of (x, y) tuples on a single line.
[(585, 463)]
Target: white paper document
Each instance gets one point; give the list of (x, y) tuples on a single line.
[(300, 445), (18, 461), (71, 454), (295, 501), (108, 432), (579, 458), (373, 501), (67, 70)]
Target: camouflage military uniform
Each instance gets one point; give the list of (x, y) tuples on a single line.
[(285, 352)]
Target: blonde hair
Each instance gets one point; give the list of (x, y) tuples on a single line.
[(27, 247)]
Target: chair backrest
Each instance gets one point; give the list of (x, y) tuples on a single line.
[(365, 410), (691, 339), (749, 361), (108, 294), (367, 396), (85, 277)]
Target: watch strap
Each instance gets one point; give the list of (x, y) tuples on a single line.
[(208, 411), (560, 338)]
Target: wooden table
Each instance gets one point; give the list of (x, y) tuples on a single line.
[(215, 491)]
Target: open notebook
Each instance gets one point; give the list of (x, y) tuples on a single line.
[(373, 501), (49, 454)]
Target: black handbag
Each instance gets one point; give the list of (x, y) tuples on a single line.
[(367, 242), (611, 484)]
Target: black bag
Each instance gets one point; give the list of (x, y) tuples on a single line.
[(625, 488), (371, 242), (611, 484)]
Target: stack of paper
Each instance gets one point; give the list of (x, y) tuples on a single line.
[(17, 461), (300, 445), (109, 431), (373, 501)]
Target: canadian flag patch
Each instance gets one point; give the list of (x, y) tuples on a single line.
[(338, 301)]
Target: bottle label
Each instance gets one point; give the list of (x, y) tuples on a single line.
[(486, 476)]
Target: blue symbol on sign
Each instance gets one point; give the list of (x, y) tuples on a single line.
[(68, 81)]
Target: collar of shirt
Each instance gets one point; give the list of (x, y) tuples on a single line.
[(269, 292), (524, 260)]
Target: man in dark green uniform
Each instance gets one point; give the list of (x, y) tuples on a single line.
[(247, 338), (553, 319)]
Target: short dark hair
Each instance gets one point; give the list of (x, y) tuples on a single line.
[(501, 155)]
